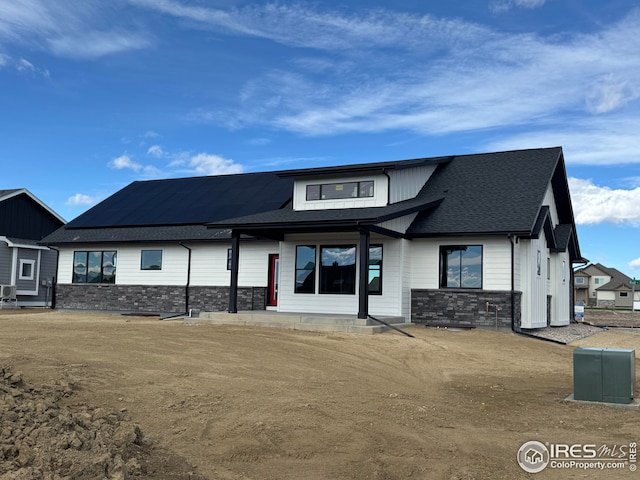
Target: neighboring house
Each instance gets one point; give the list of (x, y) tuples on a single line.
[(441, 241), (24, 264), (598, 286)]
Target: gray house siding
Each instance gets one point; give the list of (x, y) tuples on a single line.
[(27, 284), (5, 264)]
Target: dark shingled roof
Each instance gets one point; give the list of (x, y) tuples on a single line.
[(164, 233), (188, 201), (7, 192), (492, 193), (484, 194)]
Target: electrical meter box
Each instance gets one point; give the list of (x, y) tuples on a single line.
[(603, 374)]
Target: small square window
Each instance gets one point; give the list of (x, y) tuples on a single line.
[(27, 269), (151, 260)]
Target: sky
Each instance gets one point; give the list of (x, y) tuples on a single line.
[(97, 94)]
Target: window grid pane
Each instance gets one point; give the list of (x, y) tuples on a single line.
[(305, 269), (94, 267), (151, 260), (375, 270), (338, 269), (461, 266)]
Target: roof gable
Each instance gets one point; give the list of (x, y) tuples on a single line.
[(494, 193), (24, 216)]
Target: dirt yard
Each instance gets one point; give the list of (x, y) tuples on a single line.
[(144, 398)]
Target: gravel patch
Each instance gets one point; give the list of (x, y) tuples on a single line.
[(566, 334)]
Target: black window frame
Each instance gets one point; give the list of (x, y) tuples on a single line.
[(308, 288), (379, 269), (444, 266), (315, 192), (150, 267), (102, 277), (325, 277)]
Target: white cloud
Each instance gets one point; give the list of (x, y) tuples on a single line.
[(80, 199), (23, 66), (606, 140), (550, 82), (124, 161), (87, 45), (635, 264), (73, 28), (155, 151), (594, 204), (610, 94), (303, 26), (500, 6), (205, 164)]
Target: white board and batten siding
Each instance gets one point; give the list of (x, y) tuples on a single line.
[(390, 303), (379, 199), (406, 183)]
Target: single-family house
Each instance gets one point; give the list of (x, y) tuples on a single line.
[(596, 285), (27, 269), (480, 239)]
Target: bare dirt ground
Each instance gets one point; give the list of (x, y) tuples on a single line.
[(144, 398), (612, 318)]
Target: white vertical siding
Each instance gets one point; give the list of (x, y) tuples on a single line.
[(405, 288), (534, 285), (400, 224), (561, 290), (550, 201), (380, 193), (407, 182)]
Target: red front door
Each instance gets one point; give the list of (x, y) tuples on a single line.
[(274, 271)]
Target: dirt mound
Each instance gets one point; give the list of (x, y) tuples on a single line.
[(41, 438)]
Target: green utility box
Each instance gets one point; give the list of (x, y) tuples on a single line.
[(603, 374)]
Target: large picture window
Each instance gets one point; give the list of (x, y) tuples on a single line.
[(94, 267), (151, 260), (338, 269), (461, 266), (336, 191), (375, 270), (305, 269)]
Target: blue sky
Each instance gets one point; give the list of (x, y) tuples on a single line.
[(97, 94)]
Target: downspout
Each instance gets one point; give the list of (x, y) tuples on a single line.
[(513, 283), (54, 279), (384, 172), (187, 310)]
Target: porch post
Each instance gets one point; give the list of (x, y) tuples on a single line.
[(363, 300), (235, 256)]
